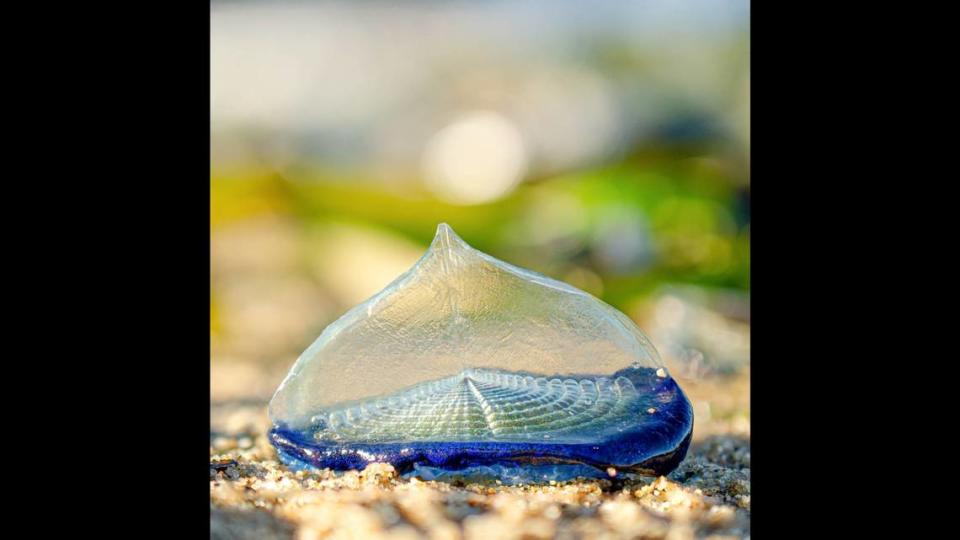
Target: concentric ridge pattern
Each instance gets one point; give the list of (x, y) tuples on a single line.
[(482, 404)]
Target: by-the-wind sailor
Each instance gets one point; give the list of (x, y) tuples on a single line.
[(466, 364)]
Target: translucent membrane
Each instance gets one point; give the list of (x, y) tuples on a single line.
[(467, 364)]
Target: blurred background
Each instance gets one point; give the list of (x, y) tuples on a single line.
[(605, 144)]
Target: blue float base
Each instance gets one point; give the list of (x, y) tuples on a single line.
[(654, 448)]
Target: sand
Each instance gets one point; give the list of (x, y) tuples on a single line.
[(252, 495)]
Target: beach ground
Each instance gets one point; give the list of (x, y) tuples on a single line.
[(252, 495)]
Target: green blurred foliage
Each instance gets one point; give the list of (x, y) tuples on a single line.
[(689, 213)]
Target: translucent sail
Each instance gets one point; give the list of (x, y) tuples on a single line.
[(464, 348)]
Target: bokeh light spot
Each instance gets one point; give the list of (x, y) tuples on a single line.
[(478, 158)]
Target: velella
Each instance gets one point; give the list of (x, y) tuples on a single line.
[(466, 365)]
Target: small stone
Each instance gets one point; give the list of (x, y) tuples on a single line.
[(381, 474)]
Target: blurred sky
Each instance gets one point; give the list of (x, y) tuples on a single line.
[(541, 86), (605, 144)]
